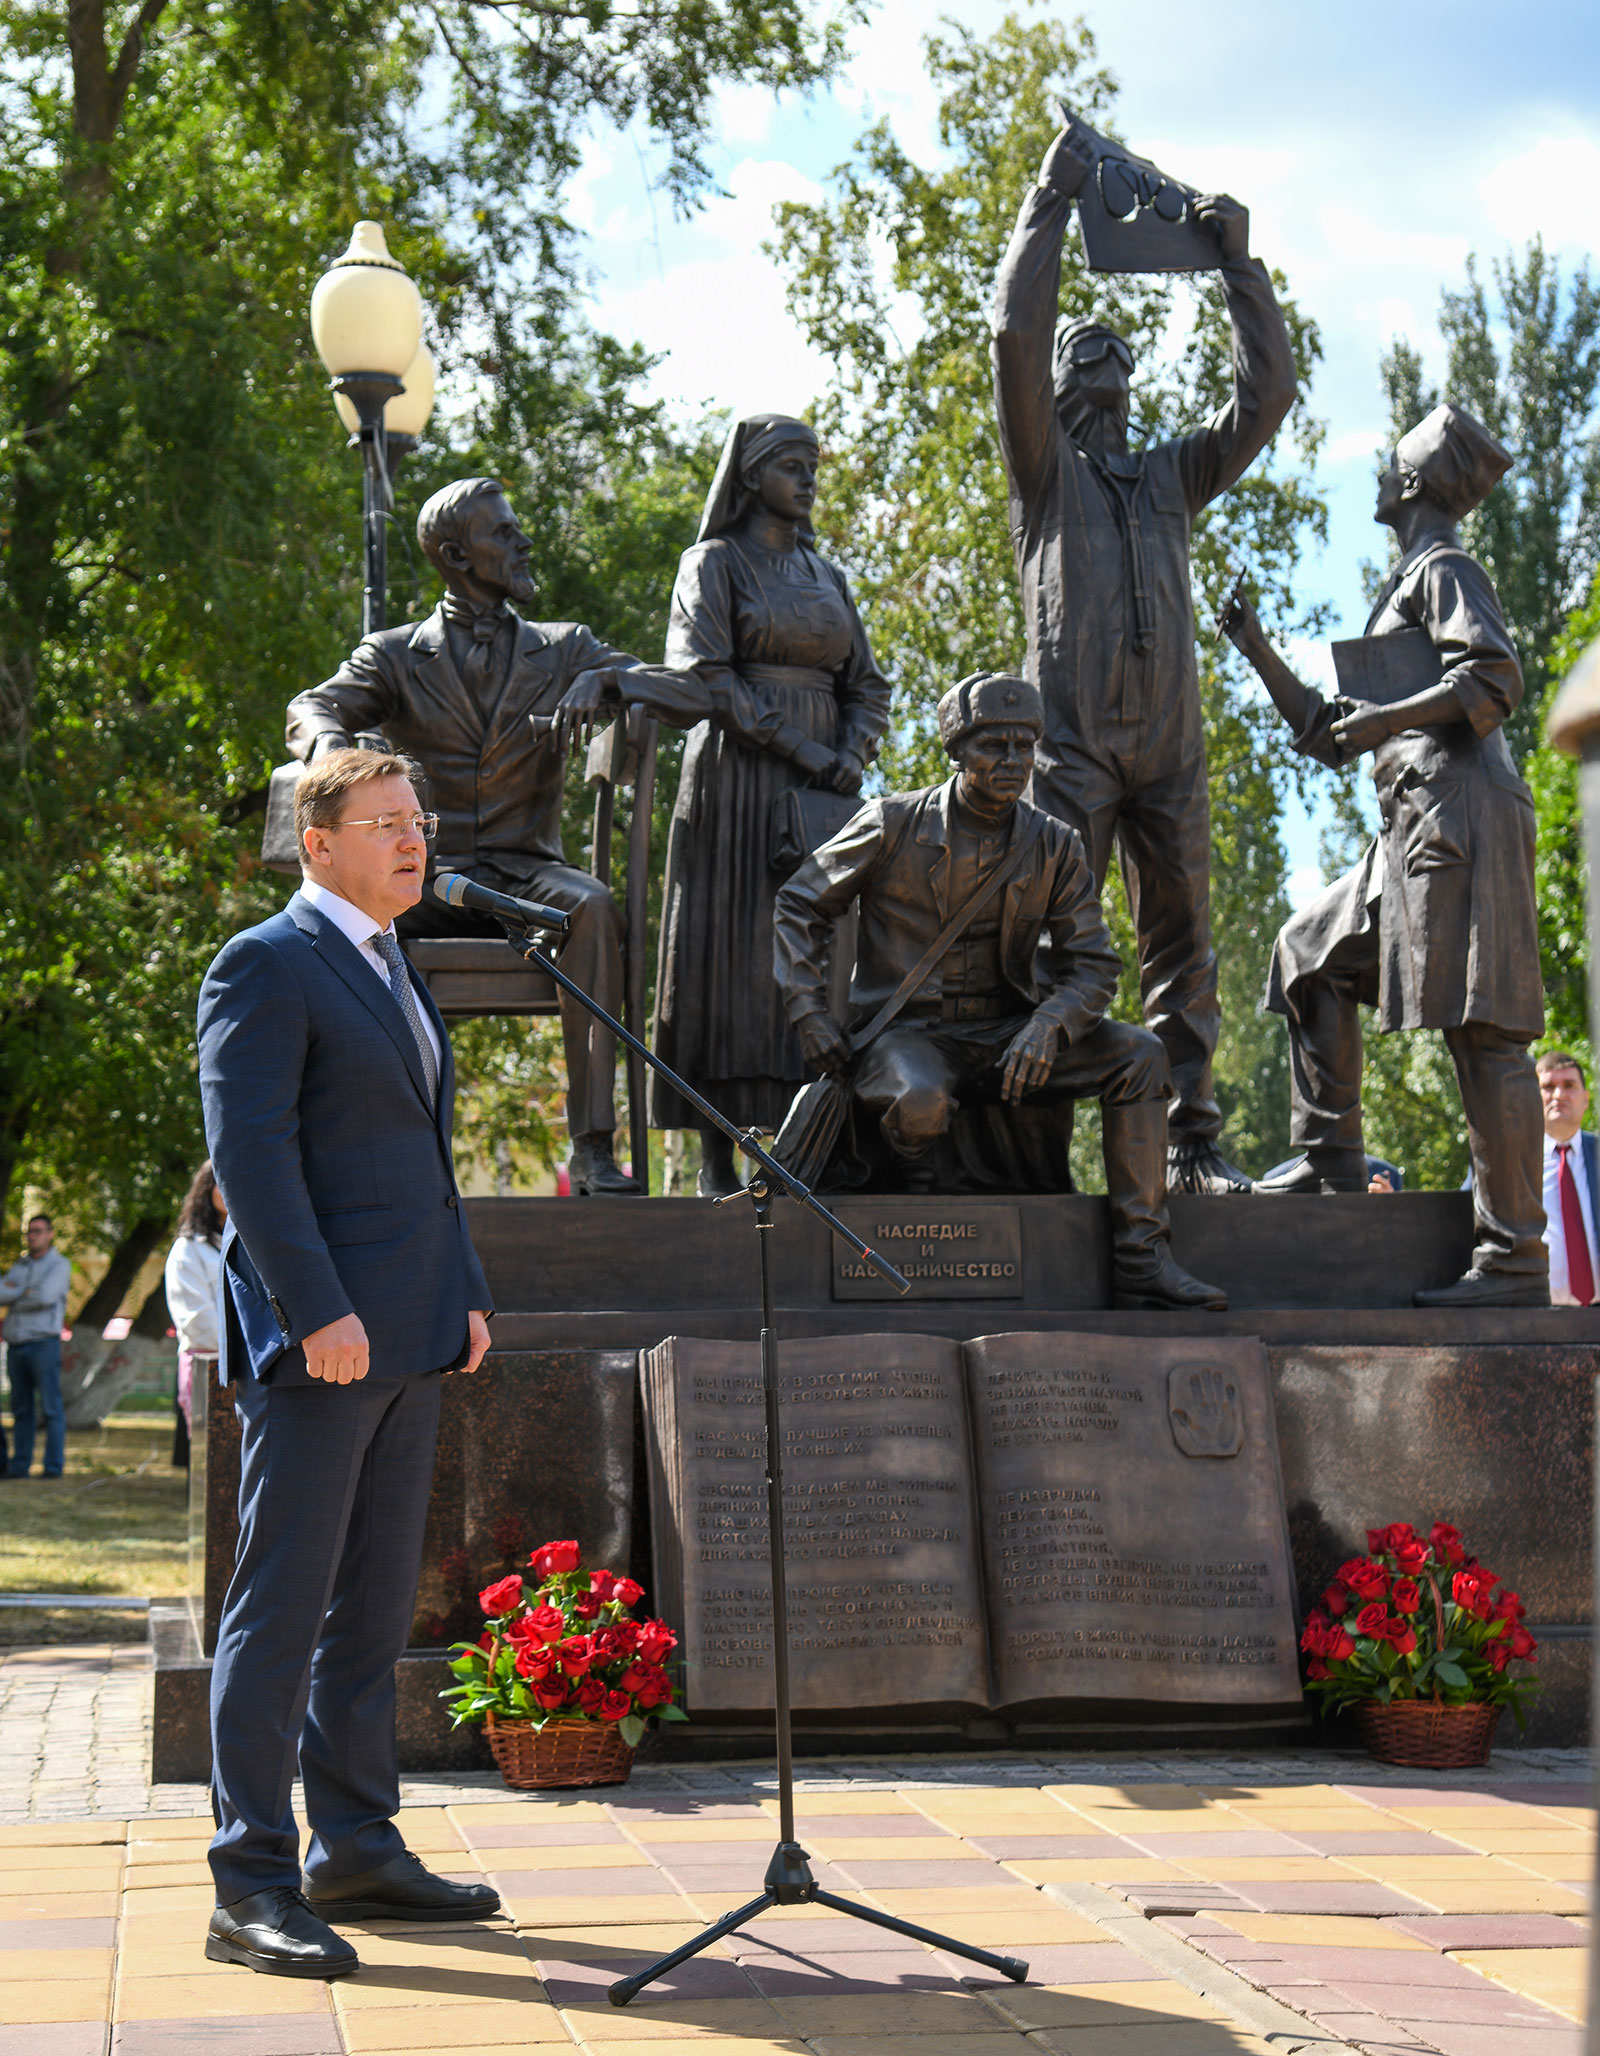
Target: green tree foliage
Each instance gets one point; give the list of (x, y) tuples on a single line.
[(178, 548), (891, 276)]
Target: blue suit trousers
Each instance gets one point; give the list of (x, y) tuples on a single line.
[(333, 1496)]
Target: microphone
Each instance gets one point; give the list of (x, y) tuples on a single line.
[(457, 891)]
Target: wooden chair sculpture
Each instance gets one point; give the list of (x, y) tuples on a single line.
[(469, 978)]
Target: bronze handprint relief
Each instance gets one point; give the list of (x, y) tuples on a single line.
[(1204, 1409)]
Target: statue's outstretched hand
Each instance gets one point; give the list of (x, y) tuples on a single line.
[(823, 1043), (1028, 1060), (1240, 622), (1070, 158), (590, 694), (1227, 221)]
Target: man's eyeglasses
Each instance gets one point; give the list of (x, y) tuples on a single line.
[(389, 826), (1091, 348)]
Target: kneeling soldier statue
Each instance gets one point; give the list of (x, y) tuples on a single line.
[(983, 971)]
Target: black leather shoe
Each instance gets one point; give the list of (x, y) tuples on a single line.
[(1164, 1287), (400, 1890), (1306, 1175), (277, 1932), (1201, 1167), (1487, 1288), (595, 1172)]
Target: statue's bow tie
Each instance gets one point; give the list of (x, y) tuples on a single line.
[(485, 627)]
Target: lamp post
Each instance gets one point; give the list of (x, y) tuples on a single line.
[(366, 321)]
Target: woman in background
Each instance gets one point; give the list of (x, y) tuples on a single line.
[(193, 1265)]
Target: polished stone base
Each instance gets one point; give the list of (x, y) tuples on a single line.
[(1384, 1413)]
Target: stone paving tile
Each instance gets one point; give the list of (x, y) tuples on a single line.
[(1332, 1897), (1096, 1848), (1555, 1977), (1178, 1848), (1494, 1930), (998, 2040), (1480, 2003), (1452, 2040), (468, 2027), (268, 2035), (55, 2038)]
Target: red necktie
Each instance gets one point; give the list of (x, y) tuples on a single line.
[(1580, 1274)]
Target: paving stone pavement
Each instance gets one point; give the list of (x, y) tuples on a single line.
[(1181, 1905)]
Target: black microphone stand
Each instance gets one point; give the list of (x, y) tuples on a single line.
[(788, 1881)]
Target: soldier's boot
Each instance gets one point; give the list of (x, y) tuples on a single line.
[(1319, 1170), (1195, 1164), (1143, 1273), (594, 1169)]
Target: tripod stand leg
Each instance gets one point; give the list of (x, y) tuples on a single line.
[(627, 1988), (1008, 1966)]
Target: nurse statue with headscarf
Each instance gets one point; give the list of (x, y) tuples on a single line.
[(1437, 925), (772, 637)]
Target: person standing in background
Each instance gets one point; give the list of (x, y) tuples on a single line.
[(1571, 1181), (35, 1290), (194, 1263)]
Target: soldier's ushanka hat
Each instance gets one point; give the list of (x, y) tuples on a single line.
[(1455, 456), (988, 699)]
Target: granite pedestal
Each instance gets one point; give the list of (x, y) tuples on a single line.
[(1383, 1412)]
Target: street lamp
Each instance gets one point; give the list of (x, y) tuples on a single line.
[(366, 321)]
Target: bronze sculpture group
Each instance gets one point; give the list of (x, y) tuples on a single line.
[(939, 957)]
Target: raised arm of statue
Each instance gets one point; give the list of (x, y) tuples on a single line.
[(1264, 384), (1306, 711), (1027, 300)]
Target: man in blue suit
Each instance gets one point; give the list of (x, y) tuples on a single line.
[(1571, 1181), (349, 1284)]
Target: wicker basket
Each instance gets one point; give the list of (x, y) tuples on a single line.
[(562, 1752), (1424, 1736)]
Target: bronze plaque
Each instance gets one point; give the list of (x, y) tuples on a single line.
[(885, 1594), (1133, 1518), (948, 1250)]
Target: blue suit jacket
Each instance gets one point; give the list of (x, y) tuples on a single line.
[(340, 1187)]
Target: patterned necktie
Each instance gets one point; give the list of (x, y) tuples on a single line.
[(400, 985), (1580, 1272)]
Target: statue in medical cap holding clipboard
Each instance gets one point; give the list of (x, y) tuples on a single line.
[(1437, 925), (1101, 534)]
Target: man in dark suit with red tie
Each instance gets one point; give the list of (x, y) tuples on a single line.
[(349, 1286), (1571, 1181)]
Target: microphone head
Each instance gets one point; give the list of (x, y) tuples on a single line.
[(450, 887)]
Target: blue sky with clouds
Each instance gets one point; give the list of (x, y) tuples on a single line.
[(1376, 146)]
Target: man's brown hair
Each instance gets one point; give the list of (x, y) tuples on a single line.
[(1561, 1060), (320, 796)]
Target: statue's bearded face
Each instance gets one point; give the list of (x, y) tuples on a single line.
[(498, 548)]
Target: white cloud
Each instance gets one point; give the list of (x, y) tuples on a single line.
[(716, 314), (1302, 885), (1547, 190)]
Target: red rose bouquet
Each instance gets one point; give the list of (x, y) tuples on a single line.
[(564, 1644), (1418, 1619)]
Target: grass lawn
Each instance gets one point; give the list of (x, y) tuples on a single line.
[(114, 1524)]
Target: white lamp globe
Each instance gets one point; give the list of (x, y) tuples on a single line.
[(408, 412), (366, 314)]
